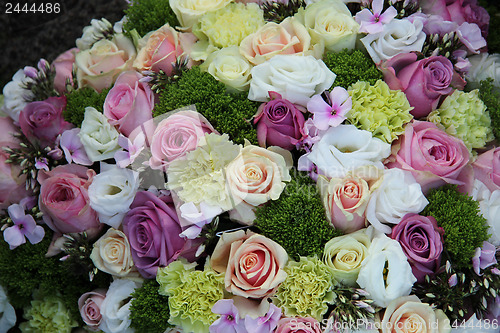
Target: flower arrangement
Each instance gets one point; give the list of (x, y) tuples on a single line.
[(257, 167)]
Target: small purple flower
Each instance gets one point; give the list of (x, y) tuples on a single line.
[(373, 21), (229, 321), (24, 227), (470, 36), (126, 157), (73, 148), (30, 71), (329, 109), (453, 280), (484, 257), (266, 323), (42, 163)]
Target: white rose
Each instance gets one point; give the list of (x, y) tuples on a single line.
[(489, 205), (115, 312), (343, 149), (98, 137), (295, 77), (112, 192), (397, 195), (330, 21), (484, 66), (7, 313), (385, 273), (398, 36), (189, 11), (229, 67), (15, 95), (93, 33)]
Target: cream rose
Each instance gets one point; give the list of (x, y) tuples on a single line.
[(111, 254), (189, 11), (343, 256), (409, 315), (253, 264), (288, 37), (330, 21), (99, 66), (228, 66), (255, 176)]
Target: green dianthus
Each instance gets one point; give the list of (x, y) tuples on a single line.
[(79, 99), (228, 113), (297, 220), (351, 67), (47, 315), (378, 109), (491, 98), (149, 15), (149, 310), (465, 229)]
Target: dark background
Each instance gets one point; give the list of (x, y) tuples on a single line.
[(25, 38)]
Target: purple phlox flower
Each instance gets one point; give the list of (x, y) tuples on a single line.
[(372, 21), (229, 320), (197, 218), (73, 149), (131, 149), (265, 324), (462, 64), (470, 35), (484, 257), (329, 108), (24, 227), (42, 163)]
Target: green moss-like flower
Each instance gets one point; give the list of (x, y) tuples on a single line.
[(78, 100), (149, 15), (297, 220), (47, 315), (191, 300), (307, 290), (149, 310), (351, 67), (465, 229), (491, 98), (378, 109), (464, 116)]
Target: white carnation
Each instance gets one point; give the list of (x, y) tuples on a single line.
[(115, 309)]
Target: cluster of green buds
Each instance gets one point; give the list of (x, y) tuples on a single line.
[(441, 45), (277, 11), (40, 81), (404, 8), (78, 248), (352, 305), (160, 80)]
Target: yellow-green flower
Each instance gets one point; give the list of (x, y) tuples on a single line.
[(378, 109), (306, 290), (464, 116), (47, 315)]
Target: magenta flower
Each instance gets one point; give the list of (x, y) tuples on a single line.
[(372, 21), (73, 148), (266, 323), (24, 227), (329, 109), (229, 322)]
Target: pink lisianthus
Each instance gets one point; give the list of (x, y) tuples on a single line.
[(63, 66)]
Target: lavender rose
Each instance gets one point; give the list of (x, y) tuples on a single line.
[(279, 122), (421, 241), (90, 308), (425, 82), (63, 66), (152, 228)]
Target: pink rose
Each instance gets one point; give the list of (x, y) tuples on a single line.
[(90, 308), (176, 135), (298, 325), (253, 264), (425, 82), (433, 157), (130, 103), (162, 49), (42, 121), (487, 169), (63, 66), (64, 199)]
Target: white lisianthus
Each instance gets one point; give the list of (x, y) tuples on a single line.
[(385, 273), (484, 66), (228, 66), (398, 36), (296, 78), (188, 12), (489, 204), (114, 310), (343, 149), (397, 195), (7, 313), (93, 33), (15, 95), (112, 192), (98, 137)]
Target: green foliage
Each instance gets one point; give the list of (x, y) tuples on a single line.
[(351, 67), (465, 228), (297, 220), (228, 113), (149, 15), (493, 39), (26, 269), (149, 310), (79, 99), (491, 98)]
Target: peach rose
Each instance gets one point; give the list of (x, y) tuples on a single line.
[(288, 37), (408, 314), (253, 264)]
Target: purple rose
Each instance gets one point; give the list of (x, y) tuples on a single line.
[(421, 240), (152, 228), (279, 123), (42, 121), (425, 82)]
